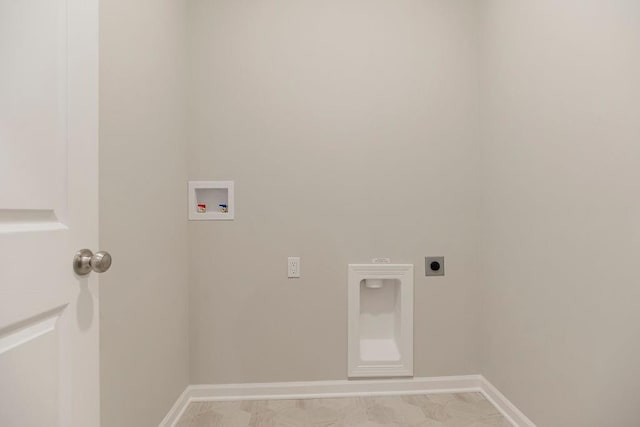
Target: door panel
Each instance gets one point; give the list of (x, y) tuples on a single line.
[(29, 359), (33, 104), (48, 210)]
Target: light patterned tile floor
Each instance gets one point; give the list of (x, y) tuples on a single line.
[(434, 410)]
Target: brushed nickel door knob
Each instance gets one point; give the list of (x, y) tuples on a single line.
[(85, 261)]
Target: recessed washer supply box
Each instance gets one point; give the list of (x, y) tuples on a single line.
[(380, 299), (211, 200)]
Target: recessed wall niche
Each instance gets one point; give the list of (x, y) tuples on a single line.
[(211, 200)]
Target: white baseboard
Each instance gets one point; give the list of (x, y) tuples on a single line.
[(176, 411), (504, 405), (346, 388)]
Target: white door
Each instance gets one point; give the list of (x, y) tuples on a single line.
[(48, 210)]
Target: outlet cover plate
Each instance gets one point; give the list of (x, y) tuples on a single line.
[(293, 267)]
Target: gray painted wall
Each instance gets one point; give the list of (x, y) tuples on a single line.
[(350, 129), (359, 129), (561, 235), (143, 298)]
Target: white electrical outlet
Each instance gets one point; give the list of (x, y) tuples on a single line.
[(294, 267)]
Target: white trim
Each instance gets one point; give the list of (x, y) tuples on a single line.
[(504, 405), (24, 220), (346, 388), (178, 408), (30, 330)]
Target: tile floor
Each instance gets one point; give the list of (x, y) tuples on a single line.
[(434, 410)]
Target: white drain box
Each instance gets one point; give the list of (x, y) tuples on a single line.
[(380, 320)]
